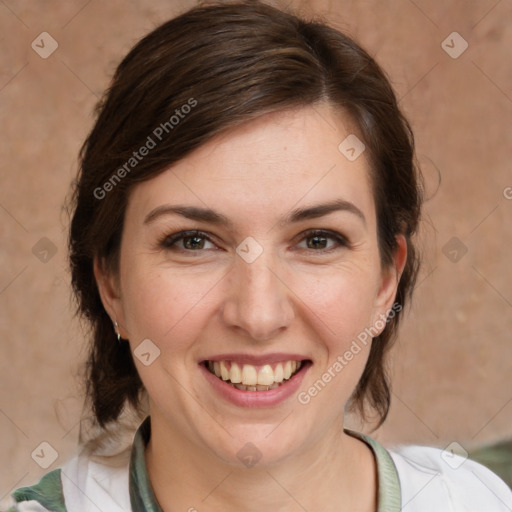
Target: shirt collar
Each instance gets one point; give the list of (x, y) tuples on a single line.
[(143, 499), (389, 494)]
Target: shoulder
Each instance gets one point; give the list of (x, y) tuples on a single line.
[(44, 496), (83, 484), (431, 477)]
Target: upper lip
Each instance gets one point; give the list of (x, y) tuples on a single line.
[(257, 360)]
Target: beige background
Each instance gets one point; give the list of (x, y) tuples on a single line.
[(452, 365)]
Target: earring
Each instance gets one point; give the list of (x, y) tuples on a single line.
[(116, 325)]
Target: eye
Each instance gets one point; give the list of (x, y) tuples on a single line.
[(317, 240), (320, 238), (185, 241)]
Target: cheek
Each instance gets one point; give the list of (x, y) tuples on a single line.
[(161, 304), (341, 298), (341, 307)]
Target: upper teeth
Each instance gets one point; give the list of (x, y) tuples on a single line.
[(250, 375)]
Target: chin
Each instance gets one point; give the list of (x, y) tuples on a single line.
[(255, 445)]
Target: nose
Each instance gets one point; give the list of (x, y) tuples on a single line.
[(259, 301)]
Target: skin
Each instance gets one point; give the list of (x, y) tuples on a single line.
[(296, 297)]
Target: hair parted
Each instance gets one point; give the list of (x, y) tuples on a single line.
[(230, 63)]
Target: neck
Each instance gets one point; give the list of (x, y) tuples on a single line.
[(337, 472)]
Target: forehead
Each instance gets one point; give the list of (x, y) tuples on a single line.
[(266, 166)]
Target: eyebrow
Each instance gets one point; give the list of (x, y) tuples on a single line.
[(213, 217)]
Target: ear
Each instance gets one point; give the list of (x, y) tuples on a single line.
[(390, 277), (110, 294)]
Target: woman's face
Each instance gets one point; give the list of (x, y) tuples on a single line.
[(254, 289)]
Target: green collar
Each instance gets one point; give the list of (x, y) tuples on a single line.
[(390, 494), (143, 499)]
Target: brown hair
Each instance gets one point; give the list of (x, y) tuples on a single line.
[(229, 64)]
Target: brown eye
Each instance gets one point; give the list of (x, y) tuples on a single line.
[(185, 241), (318, 240), (193, 242)]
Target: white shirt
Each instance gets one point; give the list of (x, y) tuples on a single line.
[(411, 479)]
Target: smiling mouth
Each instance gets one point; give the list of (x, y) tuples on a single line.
[(248, 377)]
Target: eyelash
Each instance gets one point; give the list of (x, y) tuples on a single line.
[(168, 242)]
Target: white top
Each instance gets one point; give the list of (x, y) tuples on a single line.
[(429, 484), (410, 478)]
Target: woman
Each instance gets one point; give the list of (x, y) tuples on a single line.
[(241, 242)]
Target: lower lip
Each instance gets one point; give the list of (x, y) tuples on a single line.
[(256, 398)]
